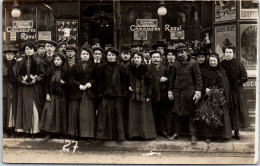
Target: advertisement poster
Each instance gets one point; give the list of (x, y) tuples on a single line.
[(67, 30), (44, 35), (249, 9), (248, 45), (225, 10), (224, 35)]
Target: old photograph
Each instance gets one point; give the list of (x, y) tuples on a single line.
[(130, 81)]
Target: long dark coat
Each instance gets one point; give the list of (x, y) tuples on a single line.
[(27, 94), (141, 121), (217, 78), (110, 124), (185, 79), (81, 112), (54, 116), (237, 75), (9, 93)]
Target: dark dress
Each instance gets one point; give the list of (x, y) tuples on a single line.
[(110, 124), (54, 118), (237, 75), (217, 78), (30, 101), (9, 93), (126, 95), (81, 111), (141, 120)]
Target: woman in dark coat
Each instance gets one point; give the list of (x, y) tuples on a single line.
[(237, 75), (81, 111), (215, 77), (110, 124), (30, 102), (54, 119), (9, 91), (141, 120)]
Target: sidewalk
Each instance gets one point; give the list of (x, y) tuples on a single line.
[(245, 145)]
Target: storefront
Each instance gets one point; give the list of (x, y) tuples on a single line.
[(122, 22)]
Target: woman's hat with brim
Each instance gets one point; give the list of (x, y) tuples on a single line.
[(125, 48), (160, 43), (147, 47), (11, 49), (167, 50), (72, 48), (51, 42), (113, 50)]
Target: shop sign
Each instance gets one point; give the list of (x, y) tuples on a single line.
[(248, 45), (251, 73), (167, 27), (225, 10), (44, 35), (251, 83), (248, 10), (21, 24), (147, 22), (224, 35), (137, 36), (173, 35)]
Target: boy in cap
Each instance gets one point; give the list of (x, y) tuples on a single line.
[(40, 49), (62, 47), (185, 89), (50, 48)]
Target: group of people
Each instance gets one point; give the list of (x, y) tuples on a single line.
[(61, 91)]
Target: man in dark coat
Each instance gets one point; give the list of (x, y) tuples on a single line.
[(125, 63), (185, 89), (147, 48), (159, 93), (237, 75)]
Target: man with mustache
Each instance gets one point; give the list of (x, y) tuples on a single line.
[(185, 89), (159, 93), (62, 47)]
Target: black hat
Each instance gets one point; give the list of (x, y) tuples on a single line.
[(9, 49), (167, 50), (159, 43), (40, 43), (147, 47), (125, 48), (136, 44), (28, 44), (113, 50), (213, 54), (180, 47), (108, 45), (51, 42), (61, 43), (198, 52), (95, 41), (72, 48)]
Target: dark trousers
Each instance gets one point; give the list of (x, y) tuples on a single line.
[(126, 100), (178, 122), (160, 113)]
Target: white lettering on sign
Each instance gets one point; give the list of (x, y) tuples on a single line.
[(146, 29), (253, 13), (25, 36), (250, 84), (147, 22), (169, 28), (22, 24), (10, 29)]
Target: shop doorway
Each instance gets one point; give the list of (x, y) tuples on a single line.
[(98, 23)]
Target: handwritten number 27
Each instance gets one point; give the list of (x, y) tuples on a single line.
[(67, 143)]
